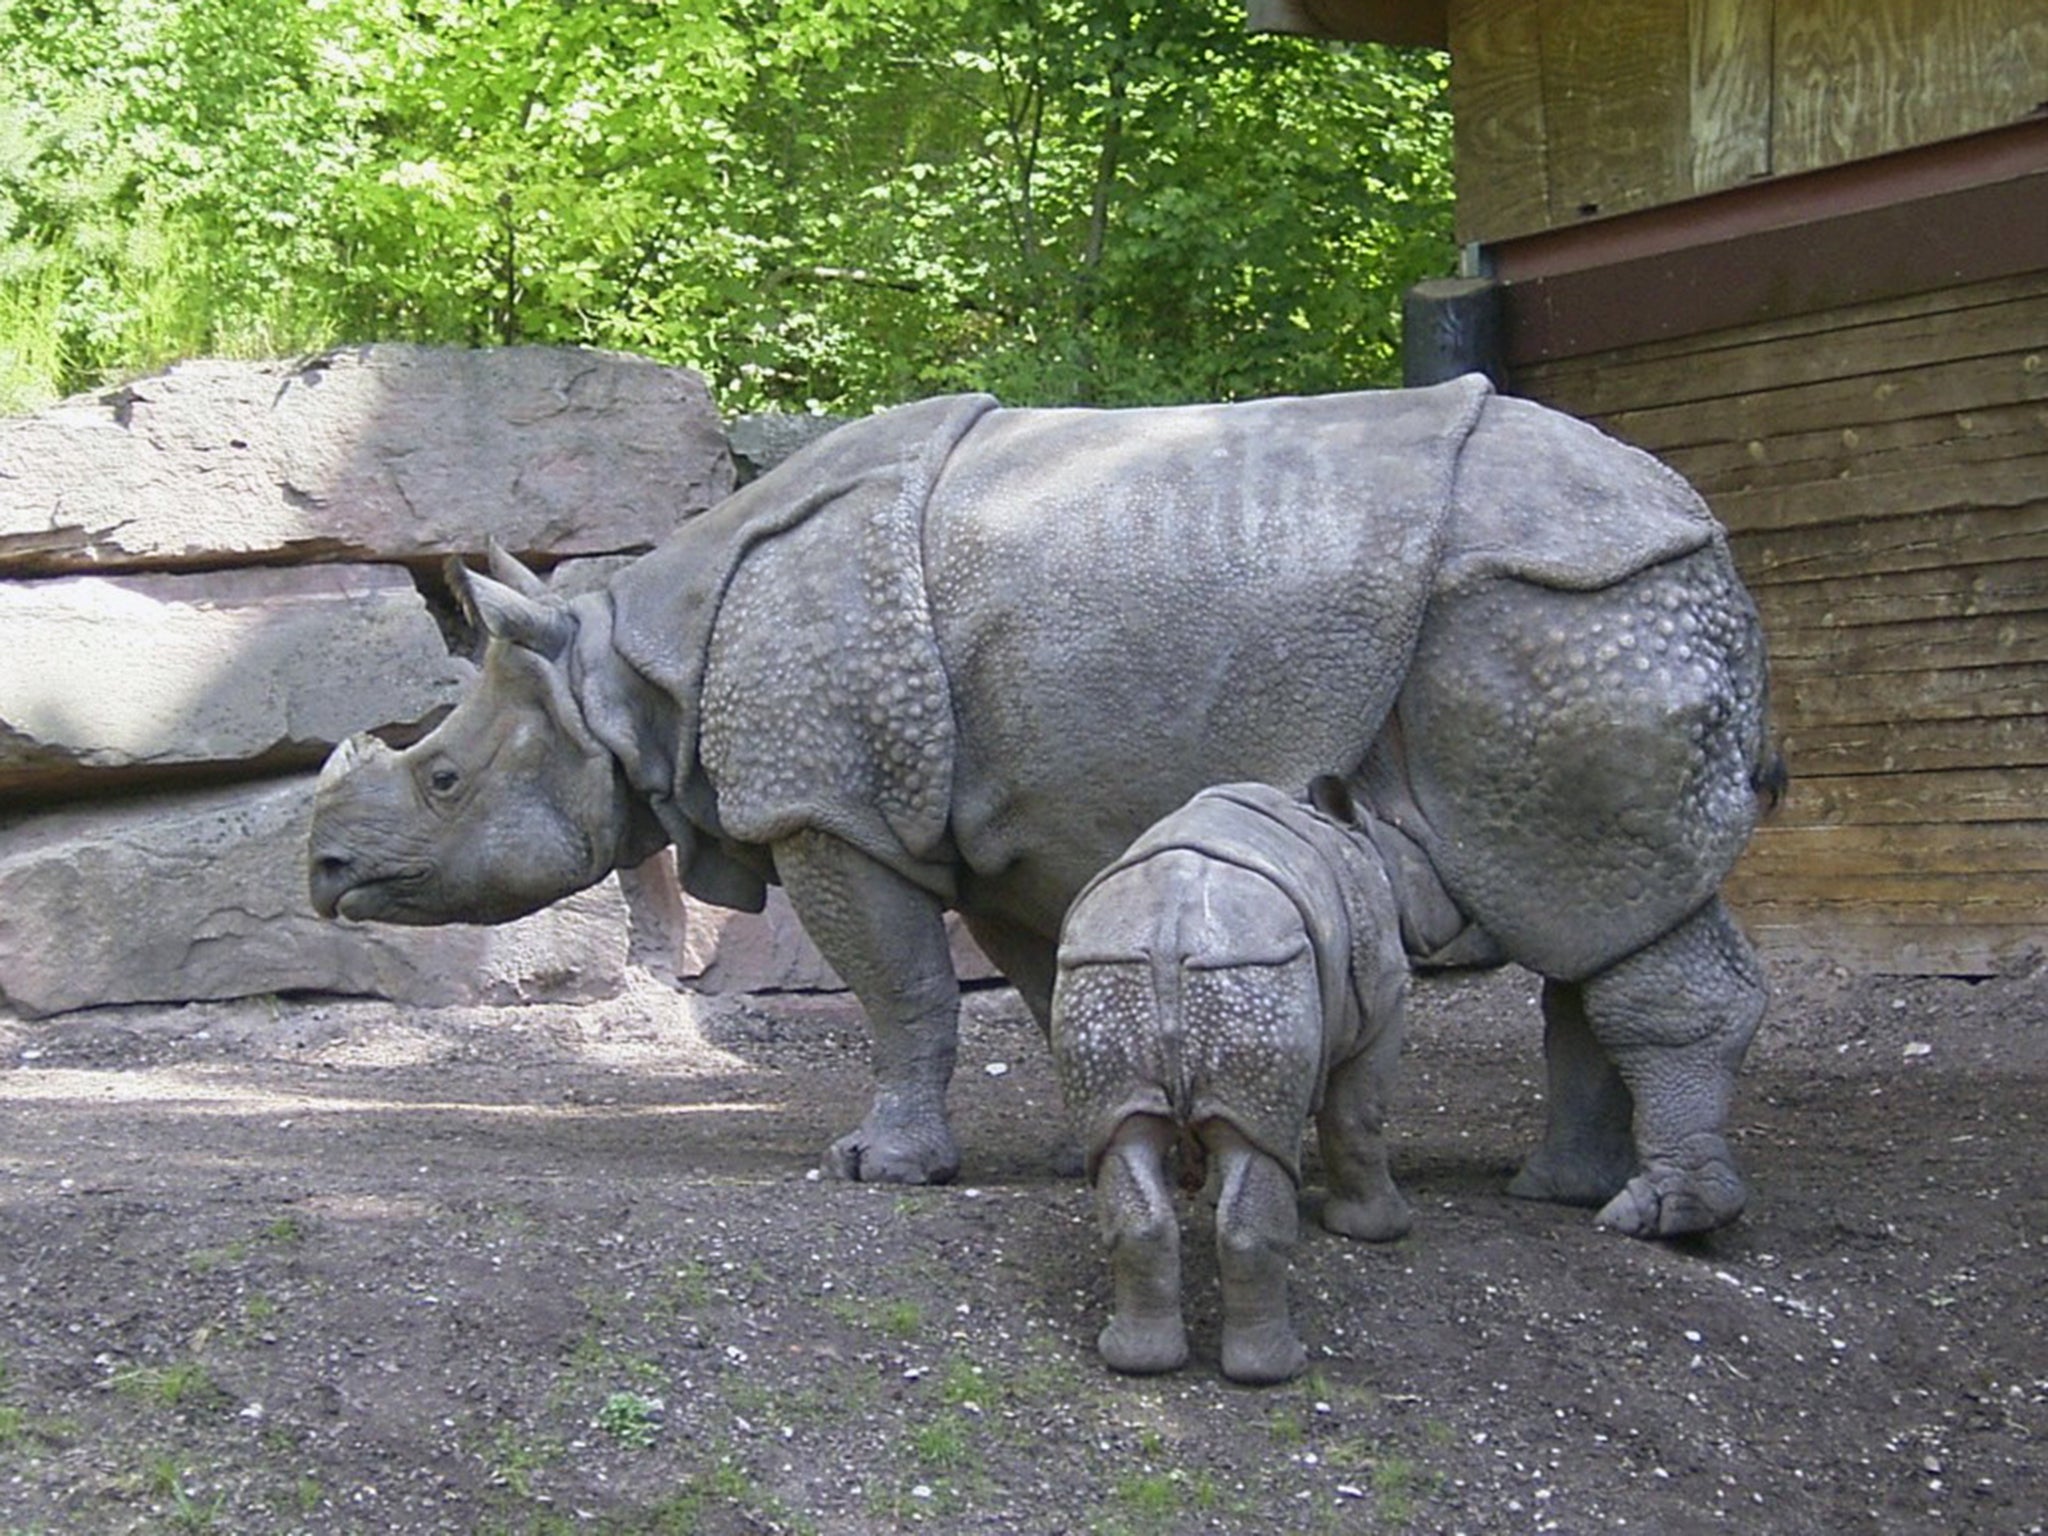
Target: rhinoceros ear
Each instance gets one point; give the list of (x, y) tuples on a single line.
[(540, 624), (506, 568), (1332, 796)]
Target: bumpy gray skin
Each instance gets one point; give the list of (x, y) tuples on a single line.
[(959, 656), (1238, 972)]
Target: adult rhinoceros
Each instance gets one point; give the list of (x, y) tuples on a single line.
[(957, 656)]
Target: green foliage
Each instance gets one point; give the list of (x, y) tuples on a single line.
[(831, 202), (631, 1419)]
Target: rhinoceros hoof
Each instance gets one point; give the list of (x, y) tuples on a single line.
[(1573, 1180), (894, 1155), (1664, 1201), (1144, 1347), (1381, 1219), (1262, 1354)]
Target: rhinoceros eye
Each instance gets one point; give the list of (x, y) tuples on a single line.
[(443, 780)]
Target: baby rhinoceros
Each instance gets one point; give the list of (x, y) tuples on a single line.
[(1238, 970)]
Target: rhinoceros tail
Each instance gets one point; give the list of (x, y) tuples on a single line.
[(1769, 778)]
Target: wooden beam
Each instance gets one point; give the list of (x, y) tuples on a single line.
[(1405, 23), (1966, 211)]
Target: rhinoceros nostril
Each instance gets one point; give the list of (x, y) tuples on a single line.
[(331, 876)]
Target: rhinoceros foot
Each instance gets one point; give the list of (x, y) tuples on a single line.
[(1695, 1192), (1382, 1218), (1144, 1346), (882, 1151), (1262, 1353), (1584, 1176)]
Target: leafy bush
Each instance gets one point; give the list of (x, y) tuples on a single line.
[(828, 202)]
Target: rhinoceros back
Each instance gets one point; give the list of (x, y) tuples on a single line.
[(1134, 604)]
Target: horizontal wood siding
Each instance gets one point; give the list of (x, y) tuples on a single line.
[(1884, 473)]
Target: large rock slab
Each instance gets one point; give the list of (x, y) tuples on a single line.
[(385, 452), (102, 674), (203, 895)]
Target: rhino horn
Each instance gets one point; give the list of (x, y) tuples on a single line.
[(349, 756)]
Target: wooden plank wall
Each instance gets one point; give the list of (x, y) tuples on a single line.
[(1574, 109), (1884, 472)]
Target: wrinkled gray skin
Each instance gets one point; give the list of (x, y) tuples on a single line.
[(959, 656), (1238, 971)]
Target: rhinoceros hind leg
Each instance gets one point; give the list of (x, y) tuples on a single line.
[(1141, 1229), (1363, 1201), (1256, 1224), (887, 939), (1677, 1018), (1588, 1151)]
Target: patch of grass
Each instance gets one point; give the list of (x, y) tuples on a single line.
[(722, 1484), (165, 1481), (898, 1317), (963, 1384), (182, 1385), (688, 1290), (945, 1443), (285, 1232), (631, 1419), (512, 1459), (306, 1494), (1153, 1501), (901, 1319)]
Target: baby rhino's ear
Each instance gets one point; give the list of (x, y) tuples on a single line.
[(1332, 796)]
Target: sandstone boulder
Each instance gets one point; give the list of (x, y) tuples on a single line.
[(202, 895), (384, 452), (109, 673)]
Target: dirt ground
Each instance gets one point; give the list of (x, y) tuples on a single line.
[(321, 1266)]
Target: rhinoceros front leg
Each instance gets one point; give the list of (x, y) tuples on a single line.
[(887, 939), (1677, 1018)]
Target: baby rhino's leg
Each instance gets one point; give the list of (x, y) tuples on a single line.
[(1142, 1231), (1255, 1231), (1350, 1128)]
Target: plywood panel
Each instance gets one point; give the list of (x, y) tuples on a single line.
[(1856, 78), (1615, 104), (1729, 107), (1853, 400), (1989, 861), (1961, 438), (1569, 109), (1500, 137), (1895, 946), (1955, 595)]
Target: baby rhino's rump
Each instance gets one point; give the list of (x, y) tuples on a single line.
[(1188, 990)]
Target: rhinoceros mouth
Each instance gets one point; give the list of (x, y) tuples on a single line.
[(386, 898)]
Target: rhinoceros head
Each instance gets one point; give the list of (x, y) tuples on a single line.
[(510, 803)]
